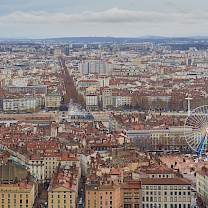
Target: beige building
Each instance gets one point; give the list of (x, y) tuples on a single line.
[(63, 191), (169, 139), (107, 98), (91, 98), (202, 187), (166, 193), (50, 163), (52, 101)]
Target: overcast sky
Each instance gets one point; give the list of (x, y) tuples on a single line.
[(119, 18)]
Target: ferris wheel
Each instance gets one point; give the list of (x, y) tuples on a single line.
[(196, 129)]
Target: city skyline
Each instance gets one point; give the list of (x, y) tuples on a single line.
[(45, 19)]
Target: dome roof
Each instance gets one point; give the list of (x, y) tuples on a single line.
[(63, 107)]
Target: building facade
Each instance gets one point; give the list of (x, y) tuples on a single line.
[(52, 101), (104, 195), (202, 187), (166, 193), (131, 194)]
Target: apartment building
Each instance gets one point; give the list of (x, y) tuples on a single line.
[(52, 101), (91, 67), (26, 103), (62, 192), (37, 167), (102, 195), (131, 194), (107, 98), (171, 138), (91, 99), (50, 163), (166, 193), (202, 187)]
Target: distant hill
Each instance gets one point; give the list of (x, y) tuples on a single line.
[(108, 39), (148, 38)]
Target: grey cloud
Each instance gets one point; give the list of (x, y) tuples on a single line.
[(113, 15)]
